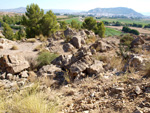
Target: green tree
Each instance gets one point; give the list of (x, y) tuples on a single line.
[(21, 34), (100, 29), (8, 32), (63, 25), (31, 20), (75, 24), (89, 23), (49, 24)]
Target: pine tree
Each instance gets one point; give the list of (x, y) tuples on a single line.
[(49, 24), (63, 25), (89, 23), (74, 24), (31, 20), (100, 29)]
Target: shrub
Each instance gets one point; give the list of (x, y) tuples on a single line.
[(90, 39), (133, 31), (102, 58), (41, 38), (14, 47), (126, 40), (75, 24), (128, 30), (147, 69), (31, 40), (45, 58)]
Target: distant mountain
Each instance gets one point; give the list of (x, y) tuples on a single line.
[(117, 11), (23, 10), (16, 10)]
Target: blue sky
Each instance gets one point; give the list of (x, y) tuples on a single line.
[(138, 5)]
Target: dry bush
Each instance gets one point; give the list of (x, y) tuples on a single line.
[(29, 100), (117, 62), (146, 69), (32, 61), (102, 58), (137, 50), (90, 39), (39, 47), (41, 38), (67, 77), (67, 39), (31, 40), (14, 47)]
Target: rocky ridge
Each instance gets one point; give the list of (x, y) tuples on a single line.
[(93, 77)]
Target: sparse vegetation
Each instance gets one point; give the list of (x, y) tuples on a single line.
[(30, 100), (72, 61), (45, 58)]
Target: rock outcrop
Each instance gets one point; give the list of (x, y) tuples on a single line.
[(80, 62), (69, 32), (101, 46), (76, 41), (49, 71), (13, 63), (137, 41), (68, 47)]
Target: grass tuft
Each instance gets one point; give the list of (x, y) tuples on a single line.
[(14, 47)]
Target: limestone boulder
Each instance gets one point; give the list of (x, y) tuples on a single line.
[(69, 32), (49, 71), (13, 63), (102, 46), (62, 60), (76, 41), (95, 68), (68, 47), (80, 65), (137, 41), (138, 62), (89, 33)]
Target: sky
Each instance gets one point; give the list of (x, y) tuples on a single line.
[(137, 5)]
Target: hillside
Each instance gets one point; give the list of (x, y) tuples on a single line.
[(94, 77), (118, 11)]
